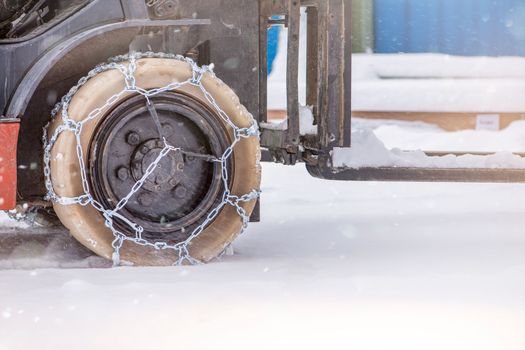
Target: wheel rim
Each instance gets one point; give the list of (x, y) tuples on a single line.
[(184, 188)]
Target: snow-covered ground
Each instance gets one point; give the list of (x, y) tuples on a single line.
[(333, 265)]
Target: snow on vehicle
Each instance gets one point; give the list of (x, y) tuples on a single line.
[(152, 158)]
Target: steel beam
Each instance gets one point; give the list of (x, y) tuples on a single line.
[(484, 175), (292, 71)]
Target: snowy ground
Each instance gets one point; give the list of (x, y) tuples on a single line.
[(340, 266)]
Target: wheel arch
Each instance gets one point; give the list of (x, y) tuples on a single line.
[(64, 53), (55, 72), (49, 78)]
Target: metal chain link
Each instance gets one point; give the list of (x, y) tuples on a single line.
[(110, 214), (152, 3)]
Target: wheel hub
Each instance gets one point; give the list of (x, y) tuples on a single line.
[(168, 173), (183, 188)]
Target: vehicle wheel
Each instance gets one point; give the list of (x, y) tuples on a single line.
[(120, 144)]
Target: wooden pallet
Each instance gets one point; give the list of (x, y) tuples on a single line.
[(449, 121)]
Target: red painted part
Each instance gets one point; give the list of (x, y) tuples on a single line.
[(8, 142)]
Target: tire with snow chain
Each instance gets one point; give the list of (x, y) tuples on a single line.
[(187, 185)]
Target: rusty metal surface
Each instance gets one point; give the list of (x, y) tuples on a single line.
[(292, 73), (346, 120), (328, 74), (333, 129), (8, 139), (264, 18), (420, 174), (312, 61)]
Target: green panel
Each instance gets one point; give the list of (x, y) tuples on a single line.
[(362, 25)]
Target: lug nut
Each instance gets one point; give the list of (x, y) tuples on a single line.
[(167, 130), (146, 199), (180, 192), (133, 138), (123, 173), (144, 149)]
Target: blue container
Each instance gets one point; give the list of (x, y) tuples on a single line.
[(458, 27), (273, 45)]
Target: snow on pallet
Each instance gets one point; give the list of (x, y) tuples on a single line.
[(453, 92)]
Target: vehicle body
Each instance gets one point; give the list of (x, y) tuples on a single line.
[(60, 41), (85, 33)]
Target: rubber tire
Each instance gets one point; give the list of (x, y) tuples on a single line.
[(86, 224)]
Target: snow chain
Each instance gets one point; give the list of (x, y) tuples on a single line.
[(111, 214)]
